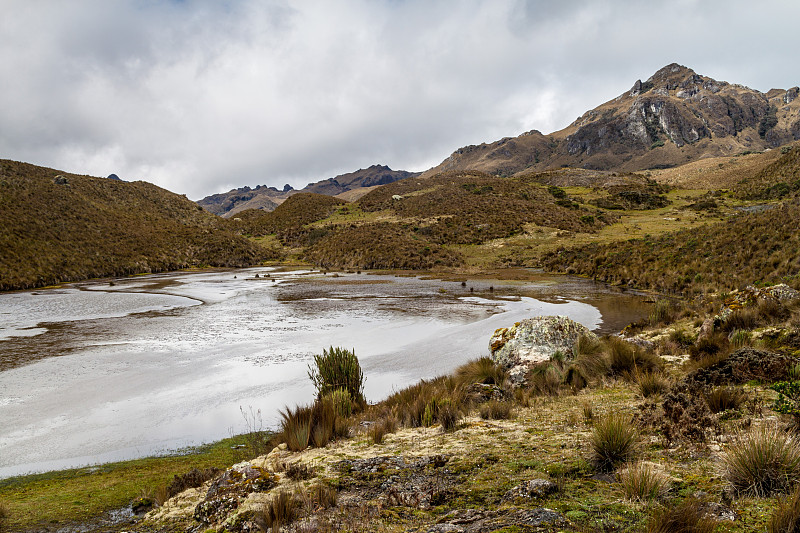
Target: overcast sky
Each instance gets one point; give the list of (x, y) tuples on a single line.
[(203, 96)]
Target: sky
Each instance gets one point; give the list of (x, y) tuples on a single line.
[(200, 97)]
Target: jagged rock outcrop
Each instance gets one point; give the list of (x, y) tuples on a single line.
[(673, 117)]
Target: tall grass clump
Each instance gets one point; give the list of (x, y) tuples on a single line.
[(643, 483), (762, 462), (786, 517), (483, 370), (282, 510), (687, 517), (315, 424), (626, 359), (663, 312), (614, 440), (495, 410), (725, 398), (651, 383), (337, 368)]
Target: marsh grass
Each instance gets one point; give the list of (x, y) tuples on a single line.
[(686, 517), (626, 360), (642, 482), (614, 440), (763, 462)]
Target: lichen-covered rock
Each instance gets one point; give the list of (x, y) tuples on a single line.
[(534, 488), (536, 339)]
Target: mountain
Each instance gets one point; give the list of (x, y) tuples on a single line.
[(351, 184), (63, 227), (674, 117)]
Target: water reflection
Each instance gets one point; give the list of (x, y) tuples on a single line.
[(108, 372)]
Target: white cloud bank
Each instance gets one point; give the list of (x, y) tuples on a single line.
[(202, 96)]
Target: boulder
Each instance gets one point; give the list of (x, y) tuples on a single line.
[(535, 340)]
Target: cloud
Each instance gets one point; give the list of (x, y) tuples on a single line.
[(203, 96)]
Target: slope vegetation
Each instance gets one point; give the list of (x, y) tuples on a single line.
[(62, 227)]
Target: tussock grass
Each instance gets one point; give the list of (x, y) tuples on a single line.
[(626, 360), (651, 383), (495, 410), (725, 398), (282, 510), (642, 482), (483, 370), (614, 440), (763, 462), (786, 518), (4, 518), (686, 517)]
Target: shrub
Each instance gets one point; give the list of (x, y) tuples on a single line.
[(686, 413), (642, 482), (788, 400), (725, 398), (495, 410), (483, 370), (786, 517), (337, 368), (342, 402), (716, 346), (283, 509), (297, 471), (688, 517), (614, 440), (763, 462), (192, 479), (651, 383)]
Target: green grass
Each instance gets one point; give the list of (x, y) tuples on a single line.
[(69, 496)]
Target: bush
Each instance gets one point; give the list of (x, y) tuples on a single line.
[(192, 479), (786, 517), (788, 400), (763, 462), (338, 368), (614, 440), (643, 483), (725, 398), (688, 517), (495, 410)]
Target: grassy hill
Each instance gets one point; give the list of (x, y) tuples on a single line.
[(62, 227)]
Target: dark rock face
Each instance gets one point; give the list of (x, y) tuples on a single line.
[(742, 366)]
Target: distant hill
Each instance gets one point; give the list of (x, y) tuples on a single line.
[(62, 227), (673, 118), (266, 198)]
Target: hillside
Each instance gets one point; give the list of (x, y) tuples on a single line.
[(674, 117), (61, 227), (268, 198)]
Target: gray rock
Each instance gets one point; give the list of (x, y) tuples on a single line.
[(535, 340), (535, 488)]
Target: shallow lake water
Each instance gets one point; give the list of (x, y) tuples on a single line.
[(97, 372)]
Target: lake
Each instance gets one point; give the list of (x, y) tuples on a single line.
[(95, 372)]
